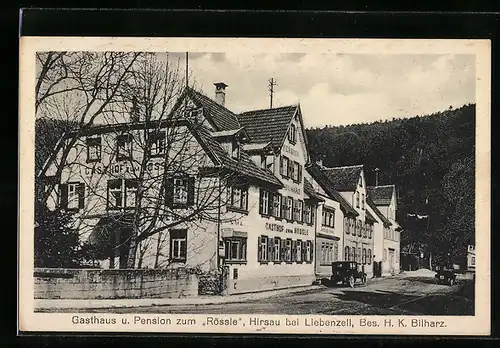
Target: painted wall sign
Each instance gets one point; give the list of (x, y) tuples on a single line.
[(122, 168), (274, 227), (293, 188), (326, 229), (289, 150)]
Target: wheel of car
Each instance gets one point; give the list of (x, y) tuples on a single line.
[(363, 280), (451, 281), (351, 281)]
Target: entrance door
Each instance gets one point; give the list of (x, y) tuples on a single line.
[(391, 261)]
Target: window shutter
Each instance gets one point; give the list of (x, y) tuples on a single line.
[(304, 250), (311, 250), (190, 189), (64, 195), (270, 203), (261, 205), (259, 248), (169, 192), (281, 164), (294, 250), (270, 248), (184, 245), (300, 173), (81, 195)]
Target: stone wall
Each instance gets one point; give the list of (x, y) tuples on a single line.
[(55, 283)]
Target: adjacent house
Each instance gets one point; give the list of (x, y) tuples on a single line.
[(384, 199)]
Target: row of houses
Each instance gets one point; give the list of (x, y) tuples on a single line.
[(207, 188)]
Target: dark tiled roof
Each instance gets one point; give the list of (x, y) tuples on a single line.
[(222, 118), (268, 124), (344, 178), (381, 216), (322, 179), (369, 217), (309, 190), (244, 166), (381, 195)]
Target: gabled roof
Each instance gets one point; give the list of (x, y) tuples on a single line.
[(322, 179), (369, 217), (268, 124), (381, 195), (309, 190), (381, 216), (344, 178), (244, 165), (220, 117)]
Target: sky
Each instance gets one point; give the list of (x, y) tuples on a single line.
[(338, 89)]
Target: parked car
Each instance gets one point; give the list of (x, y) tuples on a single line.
[(445, 276), (347, 272)]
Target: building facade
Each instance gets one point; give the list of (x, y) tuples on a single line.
[(205, 189)]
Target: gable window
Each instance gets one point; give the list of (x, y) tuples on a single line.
[(264, 202), (363, 201), (94, 149), (158, 143), (277, 205), (72, 195), (235, 153), (292, 134), (263, 161), (179, 192), (239, 198), (328, 217), (178, 245), (357, 199), (291, 170), (124, 145), (284, 166)]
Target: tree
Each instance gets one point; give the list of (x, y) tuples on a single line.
[(158, 178)]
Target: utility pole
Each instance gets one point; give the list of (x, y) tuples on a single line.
[(187, 68), (376, 176), (272, 84)]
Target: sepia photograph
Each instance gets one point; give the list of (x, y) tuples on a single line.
[(280, 185)]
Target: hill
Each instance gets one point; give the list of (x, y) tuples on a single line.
[(431, 161)]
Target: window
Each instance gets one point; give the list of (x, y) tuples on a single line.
[(178, 245), (94, 149), (370, 230), (292, 134), (263, 161), (299, 173), (300, 207), (263, 249), (277, 205), (299, 251), (264, 202), (288, 208), (294, 250), (297, 210), (328, 217), (308, 250), (236, 249), (307, 214), (358, 222), (363, 201), (158, 143), (347, 253), (323, 252), (72, 195), (357, 199), (335, 251), (353, 254), (277, 249), (364, 257), (294, 171), (238, 198), (364, 226), (369, 261), (124, 144), (358, 254), (236, 150), (346, 225), (284, 166), (473, 261), (288, 250), (122, 193), (180, 192)]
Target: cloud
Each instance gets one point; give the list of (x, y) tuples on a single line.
[(341, 88)]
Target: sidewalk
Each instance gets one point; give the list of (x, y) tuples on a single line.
[(186, 301)]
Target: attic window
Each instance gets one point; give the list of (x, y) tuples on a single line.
[(235, 151), (292, 134), (263, 161)]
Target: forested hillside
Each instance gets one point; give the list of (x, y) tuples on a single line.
[(431, 161)]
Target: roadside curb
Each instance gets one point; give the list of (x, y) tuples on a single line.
[(162, 302)]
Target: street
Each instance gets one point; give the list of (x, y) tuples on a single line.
[(383, 296)]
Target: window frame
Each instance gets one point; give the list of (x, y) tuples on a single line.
[(157, 137), (126, 139), (241, 251), (89, 144), (242, 205), (177, 238)]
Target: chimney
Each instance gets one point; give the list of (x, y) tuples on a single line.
[(220, 93)]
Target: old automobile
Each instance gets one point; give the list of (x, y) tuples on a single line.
[(347, 272), (445, 276)]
